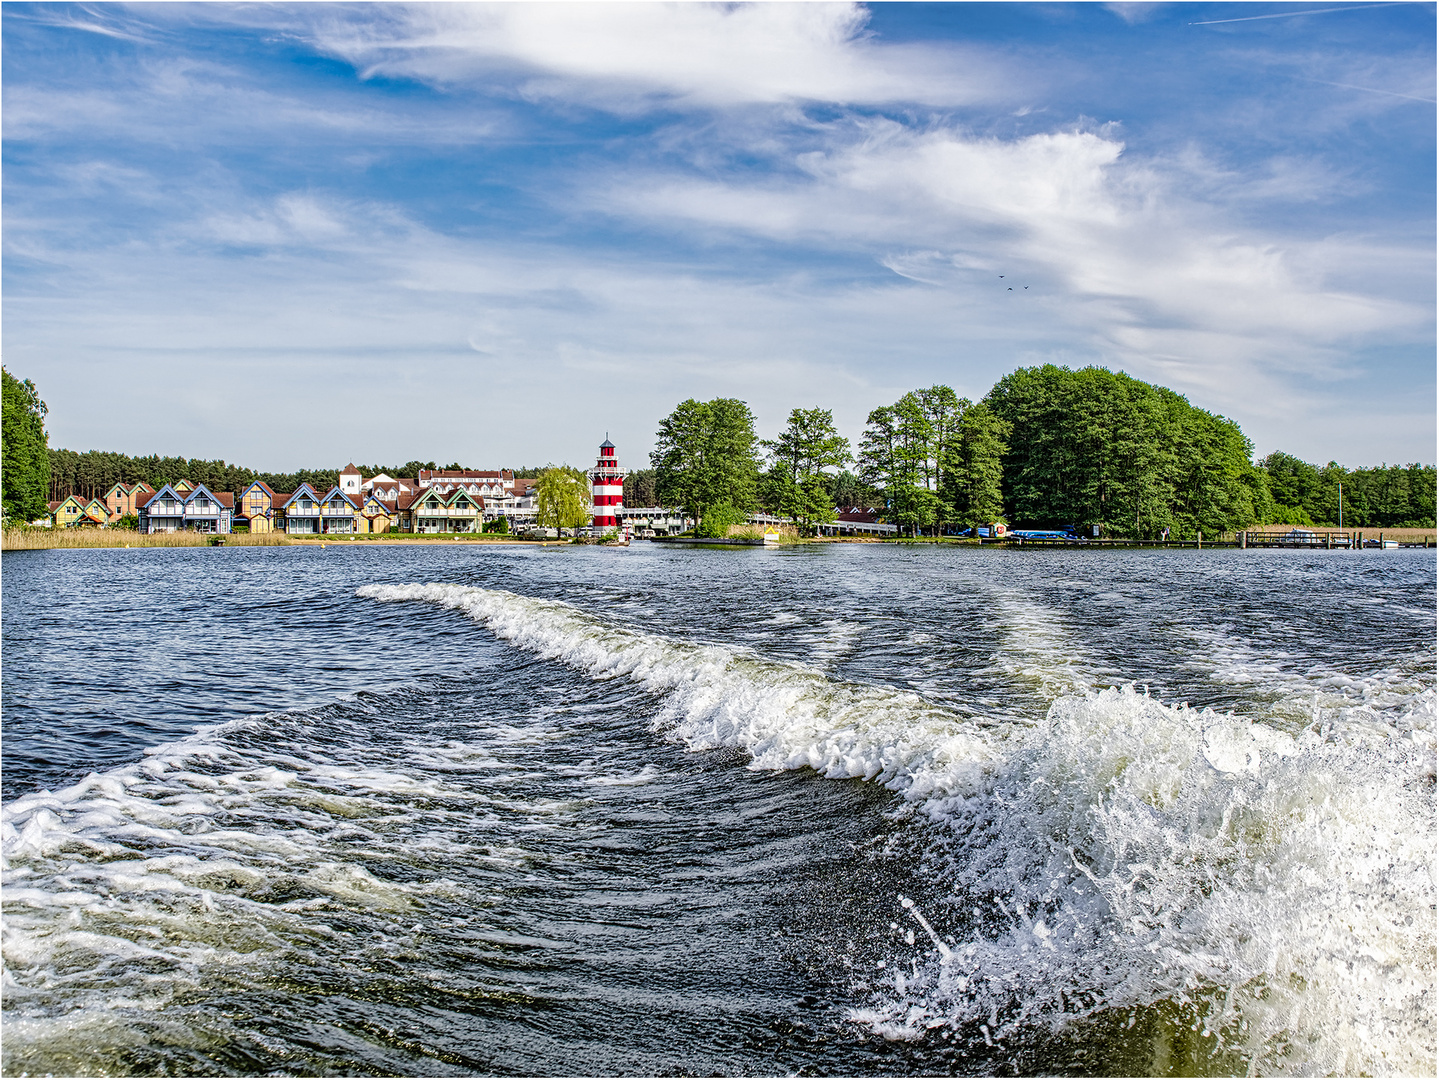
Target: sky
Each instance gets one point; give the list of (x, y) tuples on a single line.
[(299, 236)]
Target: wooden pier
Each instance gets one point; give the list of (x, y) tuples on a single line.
[(1302, 539)]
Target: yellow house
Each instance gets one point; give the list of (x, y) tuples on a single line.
[(375, 516), (73, 511), (257, 505)]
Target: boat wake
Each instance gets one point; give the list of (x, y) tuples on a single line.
[(1259, 897)]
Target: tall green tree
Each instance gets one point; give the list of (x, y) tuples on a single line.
[(24, 452), (1099, 448), (889, 460), (640, 488), (797, 484), (974, 473), (706, 457), (848, 490), (906, 452), (562, 498)]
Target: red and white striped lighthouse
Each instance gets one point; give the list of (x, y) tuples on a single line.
[(607, 488)]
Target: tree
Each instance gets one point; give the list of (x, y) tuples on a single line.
[(797, 485), (705, 457), (1095, 447), (905, 451), (24, 455), (640, 488), (562, 498), (848, 490), (973, 488)]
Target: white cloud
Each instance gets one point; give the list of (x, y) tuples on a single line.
[(626, 55), (1113, 250)]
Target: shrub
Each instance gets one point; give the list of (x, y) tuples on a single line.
[(717, 521)]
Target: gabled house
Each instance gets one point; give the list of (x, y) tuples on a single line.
[(338, 510), (73, 512), (433, 511), (122, 499), (197, 508), (209, 511), (376, 515), (308, 514), (301, 510), (96, 512), (161, 511), (257, 508)]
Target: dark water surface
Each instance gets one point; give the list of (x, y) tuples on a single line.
[(844, 809)]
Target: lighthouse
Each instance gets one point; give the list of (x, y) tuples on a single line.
[(607, 489)]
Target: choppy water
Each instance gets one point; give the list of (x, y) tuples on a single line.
[(851, 809)]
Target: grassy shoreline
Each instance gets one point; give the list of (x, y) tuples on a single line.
[(48, 539)]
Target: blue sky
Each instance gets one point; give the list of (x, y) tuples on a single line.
[(302, 235)]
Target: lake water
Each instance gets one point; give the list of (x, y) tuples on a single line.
[(852, 809)]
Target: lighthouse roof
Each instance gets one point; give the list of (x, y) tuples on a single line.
[(607, 445)]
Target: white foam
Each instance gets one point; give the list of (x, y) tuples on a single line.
[(1273, 885)]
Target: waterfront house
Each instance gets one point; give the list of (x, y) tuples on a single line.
[(73, 512), (209, 511), (122, 499), (194, 507), (308, 514), (338, 510), (256, 508), (376, 516), (433, 511), (162, 511), (300, 510)]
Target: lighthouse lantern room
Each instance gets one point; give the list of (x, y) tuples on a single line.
[(607, 489)]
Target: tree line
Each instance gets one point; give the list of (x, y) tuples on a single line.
[(1047, 447), (1382, 497)]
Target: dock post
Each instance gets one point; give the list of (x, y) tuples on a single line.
[(1199, 538), (1243, 539)]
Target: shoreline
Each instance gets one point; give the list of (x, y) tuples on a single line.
[(44, 540)]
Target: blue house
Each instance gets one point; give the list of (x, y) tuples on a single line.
[(308, 514), (175, 508)]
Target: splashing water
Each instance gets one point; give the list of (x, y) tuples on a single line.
[(1261, 898)]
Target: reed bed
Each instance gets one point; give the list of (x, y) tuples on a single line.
[(788, 534), (1371, 532), (41, 539)]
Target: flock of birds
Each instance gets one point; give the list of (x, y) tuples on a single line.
[(1009, 288)]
